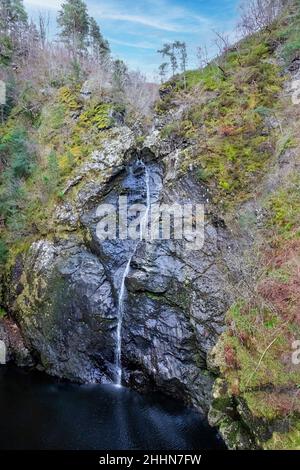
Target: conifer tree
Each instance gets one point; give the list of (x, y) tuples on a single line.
[(120, 75), (163, 70), (168, 50), (13, 17), (100, 47), (13, 25), (180, 47), (73, 21)]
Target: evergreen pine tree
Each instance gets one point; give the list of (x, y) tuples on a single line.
[(13, 25), (73, 21), (120, 75), (99, 45)]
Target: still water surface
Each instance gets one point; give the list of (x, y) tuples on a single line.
[(39, 412)]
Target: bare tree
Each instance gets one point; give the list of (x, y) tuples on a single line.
[(169, 51), (163, 70), (259, 14), (140, 94), (222, 41), (44, 23), (203, 56), (180, 47)]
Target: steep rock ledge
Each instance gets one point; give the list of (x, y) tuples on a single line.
[(64, 290)]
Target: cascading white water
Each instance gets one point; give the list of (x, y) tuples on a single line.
[(120, 321), (144, 226)]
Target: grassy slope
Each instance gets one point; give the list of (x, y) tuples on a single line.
[(240, 125)]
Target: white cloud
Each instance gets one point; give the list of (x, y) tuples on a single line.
[(161, 15), (138, 45), (143, 20)]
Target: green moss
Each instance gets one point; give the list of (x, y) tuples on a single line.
[(52, 120), (283, 275), (170, 130), (203, 174), (222, 401), (260, 406), (259, 364), (234, 432), (153, 296), (253, 357), (140, 141), (39, 163), (209, 77), (234, 149), (285, 441), (254, 52), (284, 209), (2, 313), (179, 299), (3, 252)]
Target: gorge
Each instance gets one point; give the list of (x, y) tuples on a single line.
[(181, 336), (143, 229)]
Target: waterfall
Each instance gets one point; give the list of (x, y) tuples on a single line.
[(120, 322), (2, 353), (144, 225)]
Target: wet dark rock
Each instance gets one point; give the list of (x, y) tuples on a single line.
[(67, 312), (295, 65), (65, 294)]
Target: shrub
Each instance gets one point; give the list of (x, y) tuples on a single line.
[(3, 254), (14, 149), (21, 165), (292, 50), (52, 119), (69, 98), (2, 313), (6, 50), (98, 116), (51, 178)]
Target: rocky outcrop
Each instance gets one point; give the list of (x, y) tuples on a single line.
[(175, 307), (64, 291), (66, 311), (13, 346)]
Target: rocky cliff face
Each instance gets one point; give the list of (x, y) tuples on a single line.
[(231, 141), (65, 288)]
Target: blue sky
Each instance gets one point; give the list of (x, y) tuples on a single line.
[(136, 29)]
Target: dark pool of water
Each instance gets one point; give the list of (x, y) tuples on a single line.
[(38, 412)]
